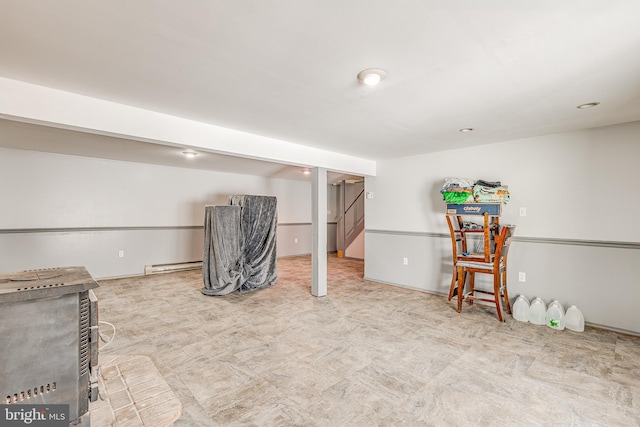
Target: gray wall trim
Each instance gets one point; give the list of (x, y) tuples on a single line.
[(580, 242), (285, 224), (407, 233), (543, 240), (136, 228), (85, 229)]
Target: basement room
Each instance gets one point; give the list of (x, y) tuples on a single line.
[(337, 213)]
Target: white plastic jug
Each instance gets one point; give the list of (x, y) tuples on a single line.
[(521, 309), (574, 320), (537, 312), (555, 316)]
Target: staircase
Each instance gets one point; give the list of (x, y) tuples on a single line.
[(351, 223)]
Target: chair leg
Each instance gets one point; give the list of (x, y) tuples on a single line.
[(496, 295), (461, 279), (472, 286), (454, 279), (505, 292)]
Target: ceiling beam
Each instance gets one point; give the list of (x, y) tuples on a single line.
[(26, 102)]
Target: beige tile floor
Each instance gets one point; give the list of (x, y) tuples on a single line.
[(133, 393), (366, 354)]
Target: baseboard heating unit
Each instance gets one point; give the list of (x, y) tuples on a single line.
[(170, 268)]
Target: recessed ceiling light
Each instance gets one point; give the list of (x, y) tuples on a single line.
[(587, 105), (371, 76), (189, 154), (463, 130)]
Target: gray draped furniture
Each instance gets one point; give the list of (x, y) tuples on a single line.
[(240, 245)]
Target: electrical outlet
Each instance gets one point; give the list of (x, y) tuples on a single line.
[(405, 261), (295, 240), (522, 277), (120, 254), (523, 211)]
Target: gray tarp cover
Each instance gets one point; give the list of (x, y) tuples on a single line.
[(240, 245)]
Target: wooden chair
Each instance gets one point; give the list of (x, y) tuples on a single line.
[(497, 267), (456, 239), (459, 249)]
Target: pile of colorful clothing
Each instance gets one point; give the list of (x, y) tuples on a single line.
[(457, 190), (462, 190)]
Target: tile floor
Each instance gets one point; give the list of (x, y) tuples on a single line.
[(133, 393), (366, 354)]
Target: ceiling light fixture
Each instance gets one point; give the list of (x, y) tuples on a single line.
[(463, 130), (306, 171), (587, 105), (371, 76), (189, 154)]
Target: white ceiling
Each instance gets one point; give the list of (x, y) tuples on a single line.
[(287, 69)]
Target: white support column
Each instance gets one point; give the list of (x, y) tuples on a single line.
[(319, 226)]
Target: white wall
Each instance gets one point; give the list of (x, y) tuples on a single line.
[(578, 242), (43, 190), (154, 213)]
